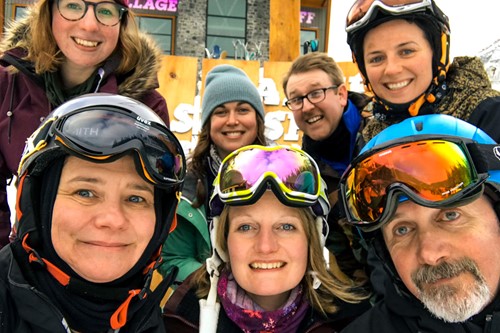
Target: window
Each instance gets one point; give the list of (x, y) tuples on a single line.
[(20, 11), (306, 36), (226, 23), (160, 29)]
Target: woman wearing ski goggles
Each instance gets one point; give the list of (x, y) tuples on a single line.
[(433, 172), (158, 153), (267, 253), (291, 173)]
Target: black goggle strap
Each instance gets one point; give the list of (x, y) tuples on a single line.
[(486, 157)]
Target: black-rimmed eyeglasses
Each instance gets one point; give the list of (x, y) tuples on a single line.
[(314, 97), (107, 13)]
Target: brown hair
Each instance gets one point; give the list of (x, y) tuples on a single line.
[(315, 60), (45, 54)]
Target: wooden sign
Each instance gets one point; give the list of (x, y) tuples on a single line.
[(179, 84)]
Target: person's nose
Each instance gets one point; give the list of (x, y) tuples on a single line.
[(393, 65), (432, 248), (111, 215), (89, 20), (266, 242), (232, 118)]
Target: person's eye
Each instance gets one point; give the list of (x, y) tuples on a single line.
[(136, 199), (287, 227), (73, 6), (295, 101), (220, 112), (401, 230), (106, 12), (244, 109), (244, 227), (406, 52), (85, 193), (315, 94), (375, 59), (450, 215)]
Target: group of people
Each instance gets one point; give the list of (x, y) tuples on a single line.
[(402, 185)]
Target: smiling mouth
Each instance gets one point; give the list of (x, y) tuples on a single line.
[(312, 120), (233, 134), (271, 265), (86, 43), (396, 86), (106, 245)]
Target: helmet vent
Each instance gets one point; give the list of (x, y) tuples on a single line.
[(419, 126)]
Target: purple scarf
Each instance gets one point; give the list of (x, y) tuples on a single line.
[(252, 318)]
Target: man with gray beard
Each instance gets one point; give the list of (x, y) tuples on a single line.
[(425, 195)]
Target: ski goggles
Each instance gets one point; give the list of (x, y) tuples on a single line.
[(247, 172), (105, 134), (363, 11), (431, 172)]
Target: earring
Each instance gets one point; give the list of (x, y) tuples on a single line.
[(316, 281)]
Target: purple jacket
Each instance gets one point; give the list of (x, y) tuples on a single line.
[(24, 105)]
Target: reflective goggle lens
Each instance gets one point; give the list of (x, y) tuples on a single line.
[(434, 170), (101, 134), (361, 11), (244, 171)]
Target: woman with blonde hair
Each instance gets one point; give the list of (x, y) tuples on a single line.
[(267, 272)]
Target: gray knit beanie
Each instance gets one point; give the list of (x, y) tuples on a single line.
[(226, 83)]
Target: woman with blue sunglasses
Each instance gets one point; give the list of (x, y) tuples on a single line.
[(267, 272)]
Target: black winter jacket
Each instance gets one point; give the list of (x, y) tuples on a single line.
[(24, 309)]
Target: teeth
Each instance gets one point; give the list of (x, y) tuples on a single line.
[(399, 85), (313, 119), (261, 265), (233, 133), (86, 42)]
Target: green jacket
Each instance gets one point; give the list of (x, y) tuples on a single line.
[(188, 246)]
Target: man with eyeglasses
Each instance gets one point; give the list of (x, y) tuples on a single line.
[(60, 50), (425, 193), (330, 118)]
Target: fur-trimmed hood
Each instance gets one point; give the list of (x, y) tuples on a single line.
[(132, 84)]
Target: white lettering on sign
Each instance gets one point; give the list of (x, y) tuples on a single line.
[(308, 17), (183, 122), (161, 5), (274, 126), (269, 92)]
